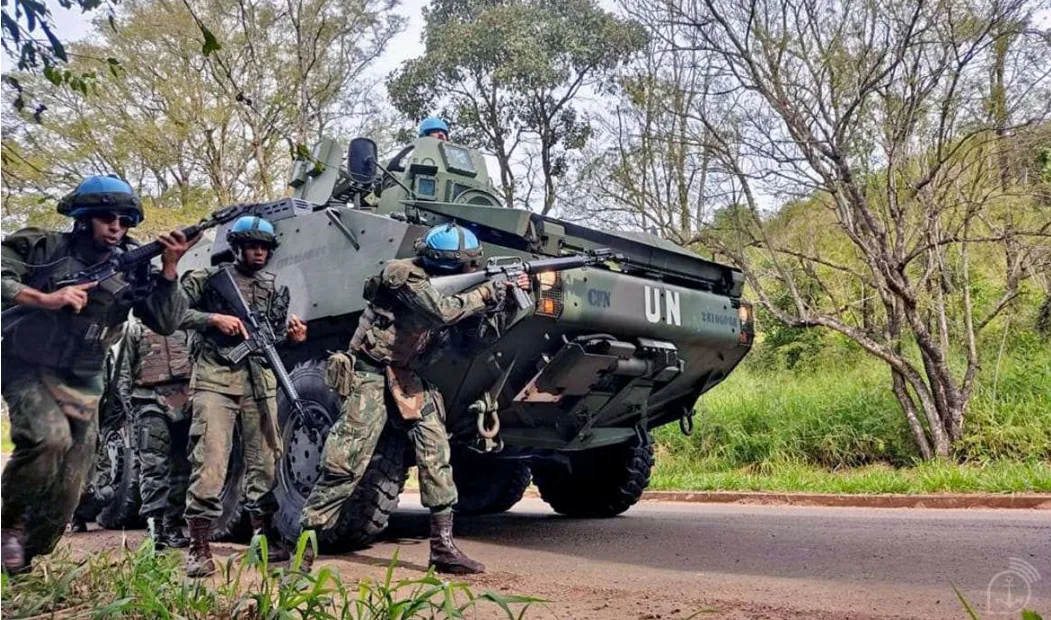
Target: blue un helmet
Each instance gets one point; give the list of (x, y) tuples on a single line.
[(432, 124), (102, 194), (252, 228), (448, 248)]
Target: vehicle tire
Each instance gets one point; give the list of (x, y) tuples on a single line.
[(600, 483), (488, 485), (232, 525), (118, 478), (303, 439)]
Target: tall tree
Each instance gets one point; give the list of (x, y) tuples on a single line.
[(880, 131), (509, 73), (648, 169), (190, 123)]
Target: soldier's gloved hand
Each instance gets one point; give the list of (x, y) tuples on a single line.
[(229, 325), (75, 296), (297, 329), (175, 246)]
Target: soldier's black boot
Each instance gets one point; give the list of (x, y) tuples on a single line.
[(171, 533), (199, 563), (276, 551), (155, 530), (445, 556), (77, 524), (14, 556)]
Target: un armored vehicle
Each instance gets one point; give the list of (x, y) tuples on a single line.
[(563, 394)]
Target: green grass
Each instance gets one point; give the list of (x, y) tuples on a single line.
[(674, 473), (147, 584), (833, 425)]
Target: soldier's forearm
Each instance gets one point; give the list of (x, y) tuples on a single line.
[(196, 320), (444, 310), (164, 308), (14, 292), (10, 290)]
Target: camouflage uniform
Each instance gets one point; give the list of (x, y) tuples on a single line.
[(155, 379), (99, 488), (225, 394), (397, 327), (53, 377)]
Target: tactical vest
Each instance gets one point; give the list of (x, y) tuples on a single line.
[(162, 359), (263, 296), (397, 343), (64, 340)]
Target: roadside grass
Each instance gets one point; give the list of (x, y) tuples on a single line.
[(147, 584), (833, 425), (677, 473)]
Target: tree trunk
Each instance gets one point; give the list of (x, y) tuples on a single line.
[(909, 407)]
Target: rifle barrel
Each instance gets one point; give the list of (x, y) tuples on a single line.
[(558, 264)]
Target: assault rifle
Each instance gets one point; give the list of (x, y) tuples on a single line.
[(111, 274), (260, 333), (507, 268)]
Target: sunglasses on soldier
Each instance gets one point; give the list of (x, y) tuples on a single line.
[(107, 217)]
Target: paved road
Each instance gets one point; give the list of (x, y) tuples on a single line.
[(670, 560), (741, 561)]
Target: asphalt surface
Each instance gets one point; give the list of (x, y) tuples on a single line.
[(665, 559)]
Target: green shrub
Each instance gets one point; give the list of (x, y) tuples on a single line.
[(769, 423)]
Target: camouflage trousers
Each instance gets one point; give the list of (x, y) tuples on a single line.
[(53, 426), (164, 469), (352, 441), (215, 416)]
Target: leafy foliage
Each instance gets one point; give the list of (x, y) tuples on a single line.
[(864, 183), (829, 421), (193, 123), (507, 74), (147, 584), (23, 23)]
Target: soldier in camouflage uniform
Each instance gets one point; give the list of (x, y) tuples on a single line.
[(397, 328), (225, 393), (99, 491), (53, 358), (155, 379)]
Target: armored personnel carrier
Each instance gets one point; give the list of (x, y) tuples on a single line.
[(564, 393)]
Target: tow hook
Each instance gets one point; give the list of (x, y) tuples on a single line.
[(487, 429), (488, 439), (486, 409)]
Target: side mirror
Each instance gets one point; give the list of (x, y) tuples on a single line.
[(361, 161)]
